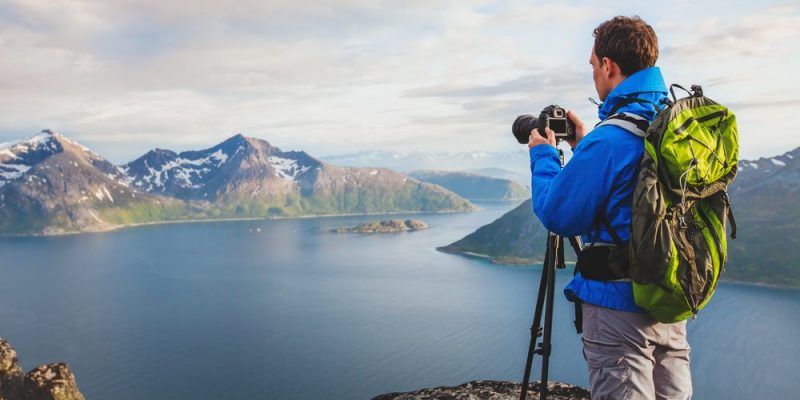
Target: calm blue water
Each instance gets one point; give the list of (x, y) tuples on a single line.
[(213, 310)]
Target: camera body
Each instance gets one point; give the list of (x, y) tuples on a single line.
[(552, 116)]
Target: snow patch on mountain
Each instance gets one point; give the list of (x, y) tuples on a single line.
[(747, 164), (6, 152), (16, 158), (287, 168), (186, 171), (778, 162), (38, 142), (12, 161), (108, 194), (9, 172)]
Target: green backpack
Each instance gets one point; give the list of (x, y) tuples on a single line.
[(677, 246)]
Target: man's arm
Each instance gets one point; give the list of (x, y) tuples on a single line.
[(568, 200)]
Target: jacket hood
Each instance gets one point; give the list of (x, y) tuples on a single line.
[(646, 84)]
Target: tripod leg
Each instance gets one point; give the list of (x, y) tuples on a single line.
[(560, 261), (537, 317), (557, 249)]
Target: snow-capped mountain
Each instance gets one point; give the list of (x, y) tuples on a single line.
[(250, 173), (766, 203), (780, 173), (770, 163), (49, 157), (202, 174), (50, 184), (18, 157)]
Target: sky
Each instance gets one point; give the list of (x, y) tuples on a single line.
[(341, 76)]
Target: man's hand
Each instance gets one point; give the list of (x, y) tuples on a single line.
[(535, 139), (580, 129)]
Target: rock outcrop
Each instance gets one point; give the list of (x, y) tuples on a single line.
[(388, 226), (490, 390), (52, 381)]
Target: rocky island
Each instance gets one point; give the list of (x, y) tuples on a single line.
[(495, 390), (388, 226), (52, 381)]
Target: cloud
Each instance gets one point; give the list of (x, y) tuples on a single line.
[(746, 105), (541, 81), (336, 76), (757, 35)]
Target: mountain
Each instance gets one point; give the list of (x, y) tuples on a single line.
[(473, 186), (50, 184), (239, 165), (764, 200), (517, 237), (766, 203), (248, 177), (522, 176)]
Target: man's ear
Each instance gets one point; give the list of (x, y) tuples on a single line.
[(611, 68)]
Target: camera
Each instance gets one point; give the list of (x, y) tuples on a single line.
[(553, 117)]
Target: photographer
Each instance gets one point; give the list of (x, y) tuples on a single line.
[(629, 355)]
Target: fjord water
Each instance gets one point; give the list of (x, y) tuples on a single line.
[(223, 310)]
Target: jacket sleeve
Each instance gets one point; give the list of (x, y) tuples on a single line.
[(568, 200)]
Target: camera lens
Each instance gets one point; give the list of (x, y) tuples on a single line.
[(522, 127)]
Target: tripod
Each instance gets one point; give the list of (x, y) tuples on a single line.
[(553, 258)]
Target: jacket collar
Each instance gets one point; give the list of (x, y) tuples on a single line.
[(646, 84)]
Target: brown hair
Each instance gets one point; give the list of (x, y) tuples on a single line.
[(628, 41)]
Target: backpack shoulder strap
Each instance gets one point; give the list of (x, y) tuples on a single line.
[(630, 122), (602, 220)]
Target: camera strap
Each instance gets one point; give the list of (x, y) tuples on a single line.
[(578, 313)]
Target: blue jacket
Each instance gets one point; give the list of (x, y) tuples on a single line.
[(600, 177)]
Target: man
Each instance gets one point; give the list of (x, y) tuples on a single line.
[(629, 355)]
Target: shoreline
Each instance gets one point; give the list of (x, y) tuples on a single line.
[(230, 219), (498, 261)]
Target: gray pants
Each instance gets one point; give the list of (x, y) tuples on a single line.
[(632, 356)]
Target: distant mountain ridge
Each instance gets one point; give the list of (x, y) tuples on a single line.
[(508, 165), (473, 186), (765, 202), (50, 184)]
